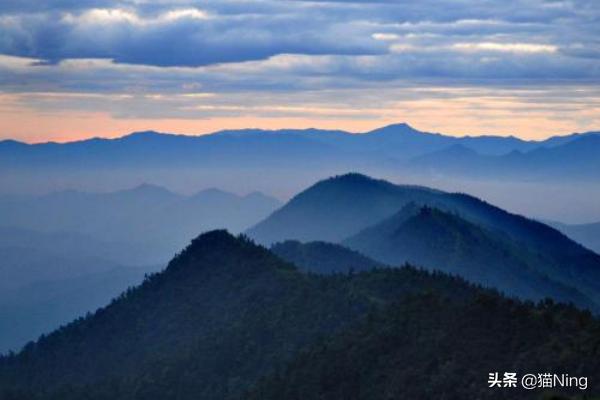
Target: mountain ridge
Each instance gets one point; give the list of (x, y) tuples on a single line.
[(439, 240), (394, 128), (226, 316), (338, 208), (228, 281)]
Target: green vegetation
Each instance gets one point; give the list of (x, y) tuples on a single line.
[(426, 347), (444, 241), (518, 255), (227, 314), (323, 257)]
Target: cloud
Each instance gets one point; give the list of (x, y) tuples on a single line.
[(507, 47), (197, 33), (176, 37), (286, 58)]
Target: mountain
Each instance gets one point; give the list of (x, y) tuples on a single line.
[(176, 160), (150, 146), (140, 226), (227, 318), (282, 162), (339, 208), (68, 253), (586, 234), (455, 159), (39, 307), (444, 241), (335, 208), (225, 311), (426, 347), (251, 145), (323, 257), (577, 159), (50, 279)]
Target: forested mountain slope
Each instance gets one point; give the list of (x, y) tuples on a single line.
[(443, 241), (323, 257), (338, 208), (226, 313)]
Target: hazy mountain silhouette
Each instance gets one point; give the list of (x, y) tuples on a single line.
[(282, 162), (340, 207), (225, 310), (44, 304), (336, 208), (250, 145), (227, 314), (577, 159), (443, 241), (65, 253), (323, 257), (389, 148), (148, 223), (586, 234), (51, 278)]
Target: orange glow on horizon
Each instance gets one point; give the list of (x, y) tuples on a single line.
[(457, 117)]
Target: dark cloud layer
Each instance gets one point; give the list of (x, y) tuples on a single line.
[(335, 58), (197, 33)]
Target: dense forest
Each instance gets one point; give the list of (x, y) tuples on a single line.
[(465, 235), (228, 319), (425, 347), (445, 241), (323, 257)]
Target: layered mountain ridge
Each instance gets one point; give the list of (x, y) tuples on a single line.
[(228, 319), (457, 230), (390, 147)]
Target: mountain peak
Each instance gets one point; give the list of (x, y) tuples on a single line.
[(351, 183), (398, 125), (205, 245), (220, 253), (12, 144), (351, 177), (399, 128), (212, 237), (143, 135), (331, 209)]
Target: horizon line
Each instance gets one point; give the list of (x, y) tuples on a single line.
[(199, 135)]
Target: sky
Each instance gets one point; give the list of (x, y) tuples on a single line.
[(72, 69)]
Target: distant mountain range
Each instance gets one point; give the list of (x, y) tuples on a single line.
[(399, 141), (455, 233), (396, 147), (368, 290), (575, 159), (561, 173), (228, 319), (90, 246), (139, 226), (68, 253), (46, 303)]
